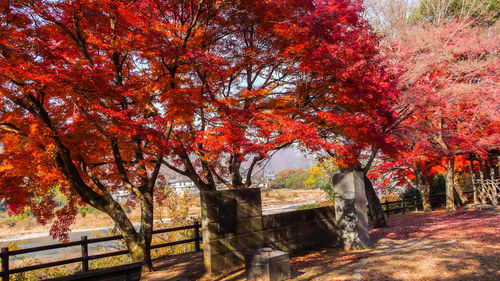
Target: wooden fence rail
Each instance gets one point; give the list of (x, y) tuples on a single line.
[(414, 204), (85, 257)]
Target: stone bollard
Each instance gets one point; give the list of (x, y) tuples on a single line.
[(351, 210), (266, 264)]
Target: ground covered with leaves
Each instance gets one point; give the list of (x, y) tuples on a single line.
[(463, 245)]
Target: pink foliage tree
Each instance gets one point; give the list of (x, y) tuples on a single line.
[(449, 102)]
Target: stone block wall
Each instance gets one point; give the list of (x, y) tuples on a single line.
[(300, 230), (290, 232)]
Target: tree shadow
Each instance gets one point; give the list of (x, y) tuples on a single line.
[(447, 239), (188, 266)]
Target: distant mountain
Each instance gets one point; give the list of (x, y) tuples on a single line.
[(290, 158)]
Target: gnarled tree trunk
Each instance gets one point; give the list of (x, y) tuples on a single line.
[(138, 242)]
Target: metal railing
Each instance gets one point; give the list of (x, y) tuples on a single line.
[(399, 206)]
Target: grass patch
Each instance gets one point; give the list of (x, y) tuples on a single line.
[(308, 206)]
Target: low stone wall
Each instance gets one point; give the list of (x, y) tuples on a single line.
[(290, 232), (300, 230)]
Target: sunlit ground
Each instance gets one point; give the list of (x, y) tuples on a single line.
[(463, 245)]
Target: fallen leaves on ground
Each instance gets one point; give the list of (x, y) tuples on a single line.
[(324, 259), (463, 224)]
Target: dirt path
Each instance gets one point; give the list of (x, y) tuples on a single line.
[(463, 245)]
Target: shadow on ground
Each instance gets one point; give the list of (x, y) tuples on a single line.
[(462, 245)]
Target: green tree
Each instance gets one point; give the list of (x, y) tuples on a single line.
[(437, 11), (281, 177), (296, 179)]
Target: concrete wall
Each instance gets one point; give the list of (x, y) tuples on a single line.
[(223, 251), (290, 232), (300, 230)]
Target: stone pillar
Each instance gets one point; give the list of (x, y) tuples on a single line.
[(232, 226), (351, 210)]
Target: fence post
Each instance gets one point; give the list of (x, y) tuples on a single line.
[(387, 207), (403, 205), (85, 254), (5, 263), (197, 236)]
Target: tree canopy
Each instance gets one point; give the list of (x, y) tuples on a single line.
[(97, 96)]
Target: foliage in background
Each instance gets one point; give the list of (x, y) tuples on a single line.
[(448, 77), (316, 177), (320, 177), (439, 11), (289, 178), (437, 187), (172, 210), (387, 195)]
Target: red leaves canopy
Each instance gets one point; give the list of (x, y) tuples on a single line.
[(126, 86), (449, 102)]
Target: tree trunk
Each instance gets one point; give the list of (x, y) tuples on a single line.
[(137, 248), (377, 215), (135, 241), (458, 193), (424, 189), (147, 228), (450, 201), (138, 243), (426, 202)]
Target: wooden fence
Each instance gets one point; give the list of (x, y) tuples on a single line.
[(400, 206), (85, 258)]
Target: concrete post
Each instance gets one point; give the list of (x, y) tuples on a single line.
[(351, 210), (232, 226)]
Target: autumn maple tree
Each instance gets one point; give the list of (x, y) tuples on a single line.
[(289, 69), (241, 93), (346, 91), (97, 96), (78, 110), (448, 79)]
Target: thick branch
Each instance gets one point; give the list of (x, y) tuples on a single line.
[(12, 129), (143, 174), (370, 161), (156, 172), (255, 160), (119, 164)]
